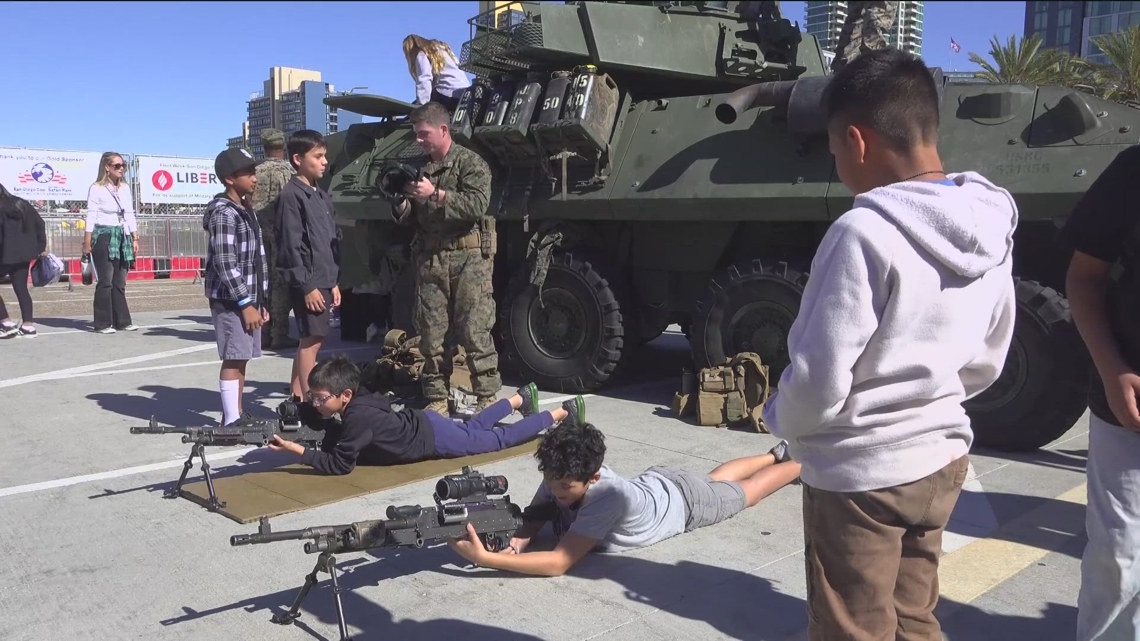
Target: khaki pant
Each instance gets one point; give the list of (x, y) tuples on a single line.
[(872, 558)]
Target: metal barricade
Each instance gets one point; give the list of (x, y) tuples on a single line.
[(169, 246)]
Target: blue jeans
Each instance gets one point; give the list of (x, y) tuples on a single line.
[(478, 436)]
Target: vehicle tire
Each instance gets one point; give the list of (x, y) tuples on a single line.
[(748, 307), (571, 339), (1043, 387)]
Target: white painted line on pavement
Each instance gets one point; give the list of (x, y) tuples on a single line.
[(126, 471), (83, 369), (141, 327)]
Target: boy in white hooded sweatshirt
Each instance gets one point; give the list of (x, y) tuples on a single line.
[(908, 312)]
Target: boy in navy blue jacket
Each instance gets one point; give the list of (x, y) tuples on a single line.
[(236, 276), (373, 434)]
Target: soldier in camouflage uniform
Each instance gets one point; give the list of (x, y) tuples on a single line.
[(453, 255), (864, 30), (271, 177)]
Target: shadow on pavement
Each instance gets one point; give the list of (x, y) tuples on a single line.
[(364, 618), (186, 406), (262, 459)]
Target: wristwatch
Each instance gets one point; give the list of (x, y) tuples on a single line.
[(434, 197)]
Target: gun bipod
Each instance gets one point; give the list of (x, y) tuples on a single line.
[(326, 562), (199, 449)]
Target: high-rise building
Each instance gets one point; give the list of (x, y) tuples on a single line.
[(1070, 26), (290, 100), (824, 20)]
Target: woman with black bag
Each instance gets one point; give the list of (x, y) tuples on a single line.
[(23, 237), (111, 239)]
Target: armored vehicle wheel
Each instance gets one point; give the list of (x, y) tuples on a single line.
[(1043, 388), (748, 308), (572, 337)]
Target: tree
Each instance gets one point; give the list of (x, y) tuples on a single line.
[(1019, 61), (1119, 82)]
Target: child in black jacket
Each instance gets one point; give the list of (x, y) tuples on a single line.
[(373, 434)]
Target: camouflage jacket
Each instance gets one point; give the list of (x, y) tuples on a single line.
[(271, 177), (466, 178)]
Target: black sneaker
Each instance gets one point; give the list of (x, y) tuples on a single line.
[(576, 408), (780, 451), (8, 331), (529, 394)]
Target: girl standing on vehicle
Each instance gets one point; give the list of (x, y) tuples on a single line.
[(111, 239), (436, 71), (23, 237)]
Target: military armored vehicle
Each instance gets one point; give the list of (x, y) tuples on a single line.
[(667, 163)]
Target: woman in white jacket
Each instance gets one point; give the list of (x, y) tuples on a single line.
[(111, 239)]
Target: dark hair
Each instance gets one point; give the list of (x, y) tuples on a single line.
[(571, 450), (304, 141), (11, 204), (891, 92), (433, 113), (336, 375)]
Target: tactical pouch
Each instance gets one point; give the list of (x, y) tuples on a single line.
[(718, 379), (710, 409), (488, 241), (683, 404)]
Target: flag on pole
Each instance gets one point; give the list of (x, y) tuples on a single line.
[(955, 46)]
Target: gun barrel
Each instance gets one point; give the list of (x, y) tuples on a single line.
[(154, 429), (317, 533)]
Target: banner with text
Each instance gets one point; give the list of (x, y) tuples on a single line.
[(168, 179), (47, 174)]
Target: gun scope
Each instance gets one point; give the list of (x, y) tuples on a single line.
[(460, 486)]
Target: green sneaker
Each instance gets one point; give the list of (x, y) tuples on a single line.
[(576, 408), (529, 394)]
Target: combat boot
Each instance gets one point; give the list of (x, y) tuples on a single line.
[(484, 403), (439, 406), (576, 409), (529, 394)]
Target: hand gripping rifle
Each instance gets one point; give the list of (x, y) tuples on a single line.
[(292, 424), (495, 521)]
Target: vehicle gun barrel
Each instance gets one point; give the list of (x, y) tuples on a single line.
[(801, 100)]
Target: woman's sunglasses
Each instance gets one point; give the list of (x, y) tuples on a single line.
[(117, 165)]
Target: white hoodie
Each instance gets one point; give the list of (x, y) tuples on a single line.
[(908, 311)]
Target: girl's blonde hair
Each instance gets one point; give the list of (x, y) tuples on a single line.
[(102, 178), (433, 49)]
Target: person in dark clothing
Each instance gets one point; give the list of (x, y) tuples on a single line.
[(23, 237), (373, 434)]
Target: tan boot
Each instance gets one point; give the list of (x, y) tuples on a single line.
[(439, 407), (484, 403)]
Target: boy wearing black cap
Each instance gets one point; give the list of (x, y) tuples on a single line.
[(236, 276)]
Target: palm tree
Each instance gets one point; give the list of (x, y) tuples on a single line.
[(1122, 50), (1019, 62)]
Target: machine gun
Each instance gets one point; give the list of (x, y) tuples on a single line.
[(470, 492), (294, 423)]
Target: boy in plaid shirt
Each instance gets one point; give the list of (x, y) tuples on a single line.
[(236, 276)]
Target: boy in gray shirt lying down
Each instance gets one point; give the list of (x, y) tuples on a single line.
[(598, 509)]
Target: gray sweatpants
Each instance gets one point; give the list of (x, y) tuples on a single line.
[(1109, 601)]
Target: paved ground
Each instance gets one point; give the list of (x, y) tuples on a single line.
[(94, 552)]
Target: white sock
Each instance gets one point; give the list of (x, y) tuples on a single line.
[(230, 400)]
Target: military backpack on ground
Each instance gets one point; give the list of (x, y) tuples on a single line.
[(726, 394), (400, 364)]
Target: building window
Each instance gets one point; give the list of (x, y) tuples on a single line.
[(1040, 21), (1064, 36)]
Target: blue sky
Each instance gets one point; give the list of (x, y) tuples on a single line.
[(172, 78)]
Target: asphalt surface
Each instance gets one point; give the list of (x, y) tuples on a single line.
[(95, 552)]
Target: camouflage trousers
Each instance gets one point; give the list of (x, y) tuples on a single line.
[(454, 292), (279, 308), (864, 30)]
